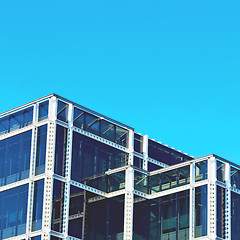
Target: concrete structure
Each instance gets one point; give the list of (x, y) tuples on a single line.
[(67, 172)]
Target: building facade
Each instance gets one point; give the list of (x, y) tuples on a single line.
[(67, 172)]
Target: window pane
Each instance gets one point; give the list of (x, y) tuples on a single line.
[(138, 141), (62, 111), (41, 149), (220, 212), (43, 111), (37, 205), (57, 205), (220, 171), (60, 150), (13, 209), (235, 218), (78, 119), (235, 178), (201, 171), (201, 211), (92, 124), (15, 156)]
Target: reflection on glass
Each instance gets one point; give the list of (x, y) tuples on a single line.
[(105, 219), (62, 111), (57, 205), (153, 167), (220, 171), (162, 218), (41, 149), (140, 181), (43, 111), (220, 212), (235, 216), (100, 127), (137, 162), (13, 211), (16, 121), (164, 154), (138, 141), (201, 211), (169, 179), (37, 205), (60, 150), (15, 158), (201, 171), (90, 157), (235, 178)]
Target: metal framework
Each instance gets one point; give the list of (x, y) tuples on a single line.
[(132, 195)]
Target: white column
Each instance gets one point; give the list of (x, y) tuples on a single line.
[(212, 220), (49, 168), (192, 202), (227, 222), (145, 152), (68, 172), (32, 171)]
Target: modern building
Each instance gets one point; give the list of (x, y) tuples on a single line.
[(67, 172)]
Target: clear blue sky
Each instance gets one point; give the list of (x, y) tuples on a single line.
[(170, 69)]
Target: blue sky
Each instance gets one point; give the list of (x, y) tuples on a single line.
[(170, 69)]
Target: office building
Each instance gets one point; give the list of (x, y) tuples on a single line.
[(67, 172)]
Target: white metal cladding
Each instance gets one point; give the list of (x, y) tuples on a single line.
[(129, 190)]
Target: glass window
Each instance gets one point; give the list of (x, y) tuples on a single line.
[(107, 130), (36, 238), (201, 211), (201, 171), (153, 167), (62, 111), (78, 119), (90, 157), (220, 171), (16, 121), (235, 216), (37, 205), (60, 150), (121, 136), (140, 181), (235, 178), (15, 158), (164, 154), (41, 149), (43, 111), (220, 212), (137, 162), (13, 211), (116, 181), (138, 141), (105, 219), (92, 124), (57, 205)]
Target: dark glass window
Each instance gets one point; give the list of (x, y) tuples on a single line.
[(57, 205), (60, 150), (235, 216), (138, 162), (37, 205), (99, 127), (201, 171), (164, 218), (153, 167), (164, 154), (13, 212), (90, 157), (138, 141), (140, 181), (41, 149), (220, 212), (15, 158), (220, 171), (235, 178), (43, 111), (36, 238), (201, 211), (16, 121), (62, 111), (105, 219)]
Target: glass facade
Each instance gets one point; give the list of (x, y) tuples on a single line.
[(66, 171)]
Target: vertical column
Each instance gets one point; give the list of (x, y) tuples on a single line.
[(212, 198), (32, 172), (145, 152), (49, 169), (129, 187), (128, 206), (68, 172), (227, 222), (192, 202)]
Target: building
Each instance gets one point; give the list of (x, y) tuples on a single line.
[(67, 172)]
